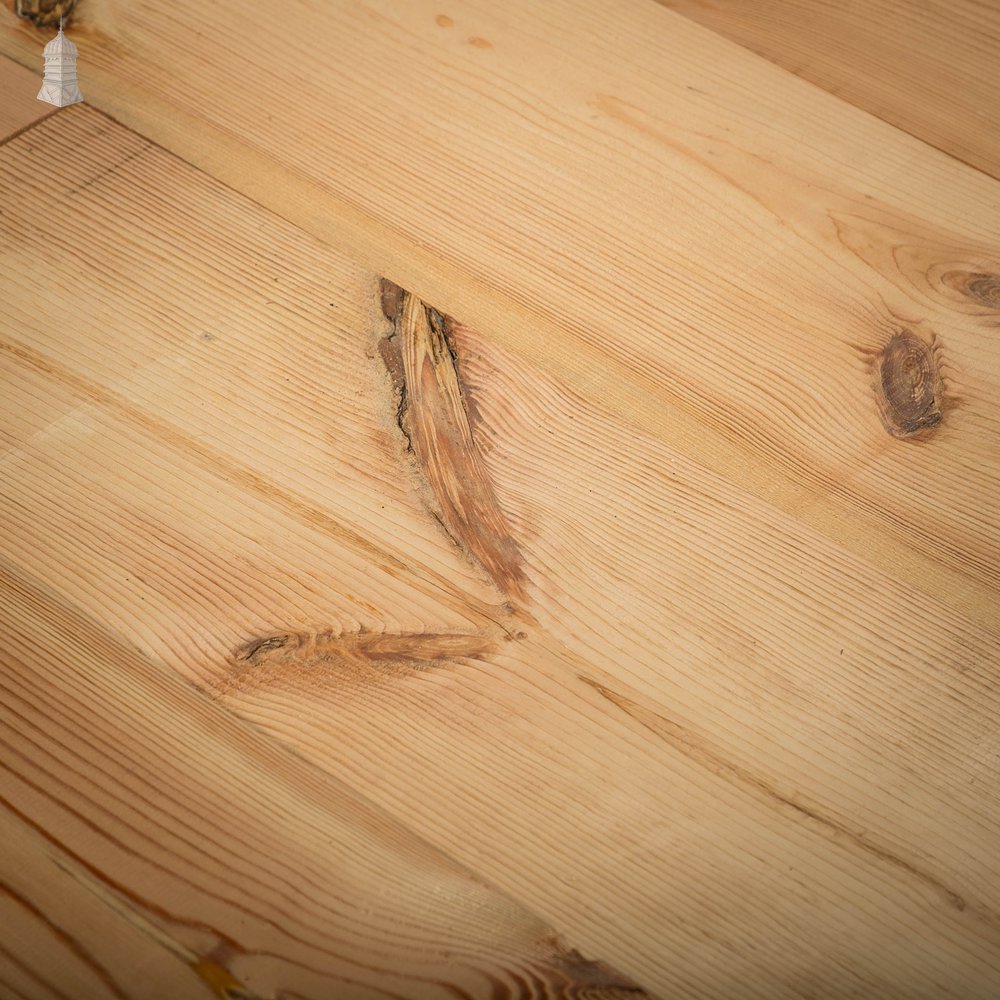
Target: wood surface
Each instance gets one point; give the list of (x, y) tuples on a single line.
[(619, 230), (154, 846), (549, 452), (928, 67), (18, 107)]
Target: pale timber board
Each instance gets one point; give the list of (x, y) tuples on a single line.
[(197, 521), (745, 808), (677, 231), (931, 67), (18, 104), (780, 690), (229, 328), (154, 846)]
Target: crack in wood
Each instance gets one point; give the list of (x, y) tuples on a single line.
[(699, 751), (408, 647), (290, 659), (436, 417)]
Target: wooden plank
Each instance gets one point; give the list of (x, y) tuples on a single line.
[(19, 107), (930, 67), (685, 266), (698, 738), (156, 847), (266, 435)]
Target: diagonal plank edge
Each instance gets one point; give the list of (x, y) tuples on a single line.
[(928, 68)]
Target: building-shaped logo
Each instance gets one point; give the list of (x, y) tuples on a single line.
[(59, 86)]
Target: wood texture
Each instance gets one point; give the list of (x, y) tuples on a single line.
[(687, 266), (931, 68), (18, 108), (155, 847), (582, 504), (433, 415)]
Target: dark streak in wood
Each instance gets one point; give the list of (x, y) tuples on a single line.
[(102, 877), (109, 170), (453, 331), (258, 650), (412, 647), (436, 416), (699, 751), (391, 299), (275, 917), (909, 390), (100, 854), (392, 358), (296, 658), (8, 960), (226, 945)]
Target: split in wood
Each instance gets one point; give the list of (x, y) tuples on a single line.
[(434, 415)]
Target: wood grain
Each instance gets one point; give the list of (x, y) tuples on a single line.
[(710, 746), (433, 412), (931, 68), (654, 583), (155, 847), (715, 258), (19, 108), (653, 605), (59, 402)]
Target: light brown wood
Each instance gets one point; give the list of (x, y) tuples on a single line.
[(688, 266), (482, 741), (931, 68), (19, 107), (631, 548), (156, 847)]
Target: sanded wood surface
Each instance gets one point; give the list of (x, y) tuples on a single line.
[(930, 67), (689, 237), (19, 107), (583, 503), (156, 847)]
